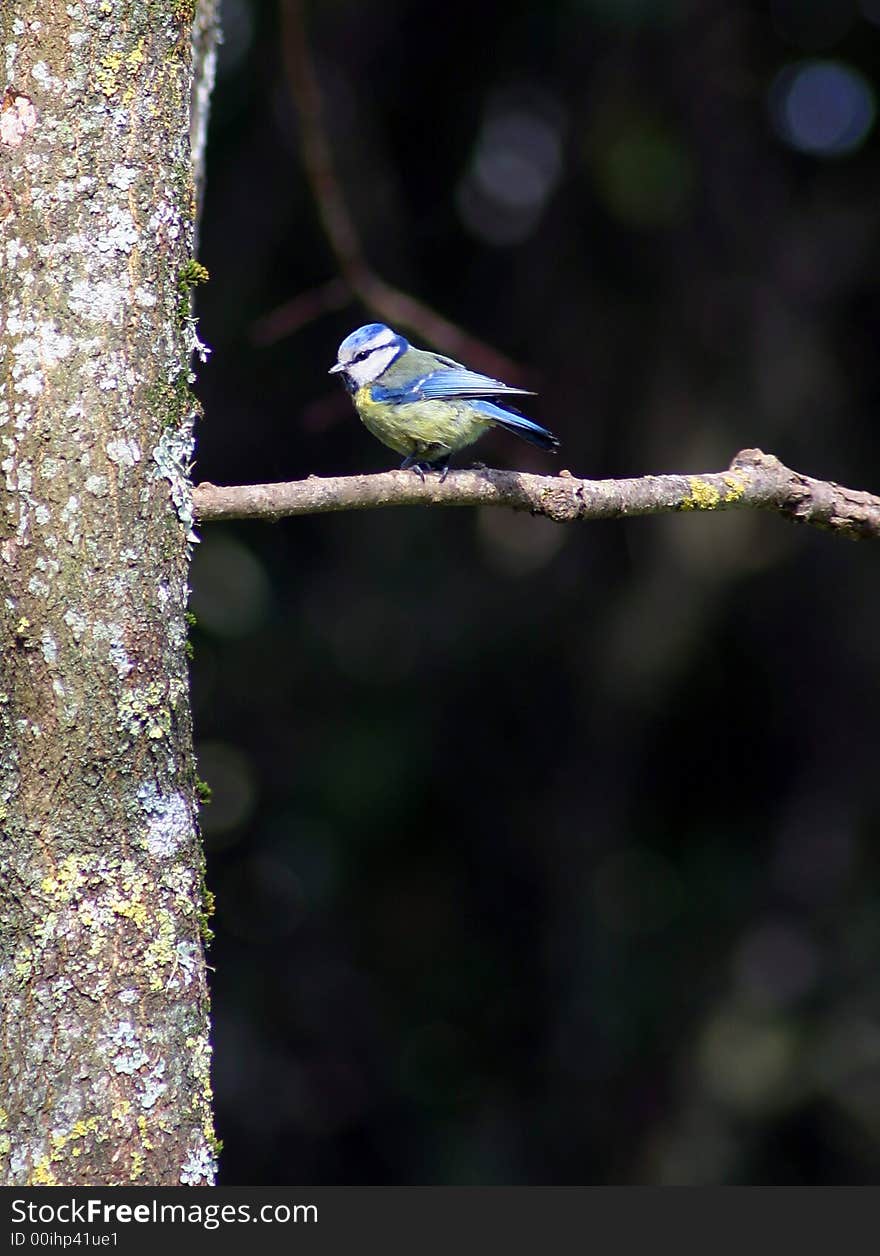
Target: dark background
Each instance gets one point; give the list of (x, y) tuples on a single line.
[(549, 854)]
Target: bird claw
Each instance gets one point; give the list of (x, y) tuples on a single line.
[(413, 464)]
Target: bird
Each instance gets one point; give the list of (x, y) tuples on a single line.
[(423, 405)]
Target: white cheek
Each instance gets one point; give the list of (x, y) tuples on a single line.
[(372, 367), (360, 372)]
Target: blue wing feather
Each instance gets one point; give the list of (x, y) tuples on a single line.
[(459, 384), (393, 394), (464, 383), (445, 385), (533, 432)]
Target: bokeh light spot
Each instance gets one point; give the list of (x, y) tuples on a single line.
[(644, 174), (516, 166), (824, 108), (230, 776), (745, 1061), (518, 544), (776, 964), (519, 158), (231, 591)]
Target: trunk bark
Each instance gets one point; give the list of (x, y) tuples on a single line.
[(104, 1055)]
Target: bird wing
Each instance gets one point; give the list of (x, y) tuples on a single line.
[(461, 382), (528, 429), (457, 381)]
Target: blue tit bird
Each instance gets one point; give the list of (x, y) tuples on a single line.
[(423, 405)]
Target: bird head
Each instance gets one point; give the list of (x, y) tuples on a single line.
[(367, 352)]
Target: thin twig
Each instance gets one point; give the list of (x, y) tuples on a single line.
[(285, 319), (390, 303), (754, 480)]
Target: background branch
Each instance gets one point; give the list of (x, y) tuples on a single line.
[(358, 277), (754, 480)]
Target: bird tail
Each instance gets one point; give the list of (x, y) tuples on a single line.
[(516, 423)]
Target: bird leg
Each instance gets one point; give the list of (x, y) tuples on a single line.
[(446, 465), (412, 463)]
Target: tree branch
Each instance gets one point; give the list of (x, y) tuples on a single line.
[(358, 277), (755, 481)]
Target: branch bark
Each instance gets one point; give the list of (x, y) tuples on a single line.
[(104, 1051), (754, 481)]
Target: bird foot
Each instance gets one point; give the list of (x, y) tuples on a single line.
[(414, 464)]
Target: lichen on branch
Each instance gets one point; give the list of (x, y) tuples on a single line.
[(754, 481)]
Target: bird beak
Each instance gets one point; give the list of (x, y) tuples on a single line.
[(337, 366)]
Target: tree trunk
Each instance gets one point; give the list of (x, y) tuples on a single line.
[(104, 1056)]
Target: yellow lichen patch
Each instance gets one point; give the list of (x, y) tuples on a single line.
[(133, 62), (131, 909), (107, 74), (24, 964), (702, 497), (202, 1101), (65, 882), (160, 953), (4, 1118), (136, 56), (137, 1165), (118, 69), (146, 1141), (41, 1174), (120, 1110), (59, 1141), (24, 637), (79, 1130), (184, 11), (736, 487)]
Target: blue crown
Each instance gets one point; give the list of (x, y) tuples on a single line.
[(366, 336)]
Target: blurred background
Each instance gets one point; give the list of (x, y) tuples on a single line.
[(546, 854)]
